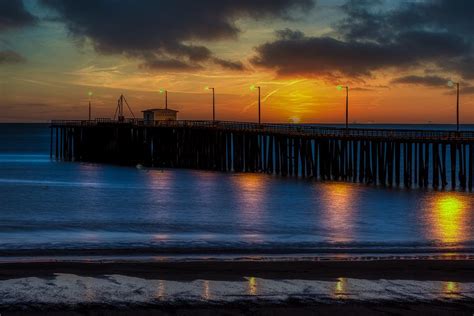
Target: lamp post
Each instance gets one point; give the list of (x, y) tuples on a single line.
[(213, 103), (253, 87), (452, 84), (340, 88), (90, 105), (166, 97)]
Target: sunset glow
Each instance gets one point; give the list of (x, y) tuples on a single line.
[(50, 69)]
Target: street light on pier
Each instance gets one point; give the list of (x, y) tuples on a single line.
[(213, 103), (253, 88), (340, 88), (452, 84), (90, 105), (164, 91)]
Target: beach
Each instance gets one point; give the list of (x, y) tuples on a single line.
[(323, 287)]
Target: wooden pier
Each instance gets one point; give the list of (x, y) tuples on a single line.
[(423, 158)]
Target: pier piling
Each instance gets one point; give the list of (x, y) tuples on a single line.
[(377, 157)]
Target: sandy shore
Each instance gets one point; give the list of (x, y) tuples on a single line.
[(280, 309), (433, 270), (380, 287)]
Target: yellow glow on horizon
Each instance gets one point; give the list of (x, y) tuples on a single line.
[(313, 100), (294, 119)]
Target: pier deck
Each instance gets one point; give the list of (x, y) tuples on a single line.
[(388, 157)]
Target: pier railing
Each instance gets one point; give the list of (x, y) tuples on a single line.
[(372, 156), (286, 129)]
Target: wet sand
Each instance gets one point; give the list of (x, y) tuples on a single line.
[(281, 309), (409, 269), (370, 287)]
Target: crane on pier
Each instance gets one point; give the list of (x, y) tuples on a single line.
[(119, 112)]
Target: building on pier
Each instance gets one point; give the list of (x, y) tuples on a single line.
[(152, 115)]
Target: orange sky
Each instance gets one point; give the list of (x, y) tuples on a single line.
[(304, 100), (59, 70)]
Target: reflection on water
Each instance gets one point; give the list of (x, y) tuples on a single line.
[(161, 237), (83, 206), (252, 193), (161, 289), (206, 291), (252, 286), (340, 288), (450, 290), (89, 292), (339, 212), (448, 219)]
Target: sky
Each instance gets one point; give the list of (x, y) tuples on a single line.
[(396, 57)]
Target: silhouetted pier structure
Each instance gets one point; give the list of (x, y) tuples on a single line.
[(389, 157)]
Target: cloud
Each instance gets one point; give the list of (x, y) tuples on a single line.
[(431, 81), (13, 14), (165, 29), (230, 65), (294, 53), (10, 57), (467, 90), (161, 64), (373, 36)]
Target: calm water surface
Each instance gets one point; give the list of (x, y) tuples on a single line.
[(73, 206)]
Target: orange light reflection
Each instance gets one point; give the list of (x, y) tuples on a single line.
[(448, 218), (206, 291), (338, 214), (252, 286), (251, 201), (340, 288), (451, 290)]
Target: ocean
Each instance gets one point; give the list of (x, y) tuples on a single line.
[(50, 208)]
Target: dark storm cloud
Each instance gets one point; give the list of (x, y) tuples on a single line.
[(371, 37), (367, 19), (10, 57), (432, 81), (164, 28), (464, 66), (13, 14), (294, 53)]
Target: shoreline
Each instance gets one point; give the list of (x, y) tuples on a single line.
[(441, 287), (458, 270)]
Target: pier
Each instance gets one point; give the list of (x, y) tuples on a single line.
[(386, 157)]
